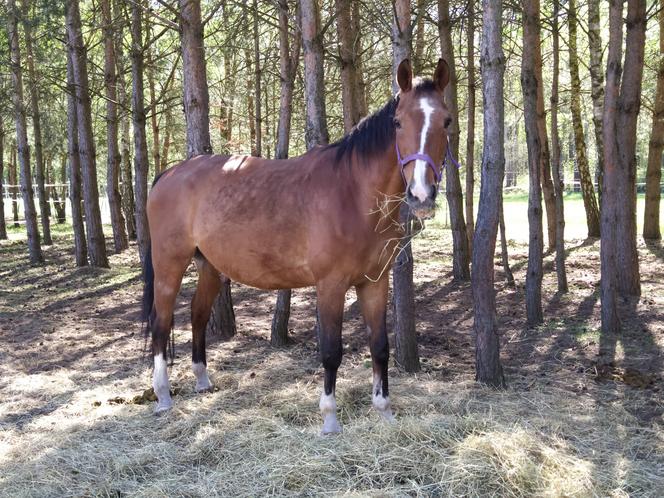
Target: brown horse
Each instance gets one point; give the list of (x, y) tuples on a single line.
[(328, 218)]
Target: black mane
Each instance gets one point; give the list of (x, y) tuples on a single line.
[(370, 135), (375, 131)]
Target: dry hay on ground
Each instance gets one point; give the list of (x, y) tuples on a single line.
[(569, 424)]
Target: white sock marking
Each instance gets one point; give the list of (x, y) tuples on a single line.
[(202, 380), (419, 186), (328, 409), (380, 403), (160, 384)]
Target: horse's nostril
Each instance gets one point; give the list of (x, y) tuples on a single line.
[(434, 192)]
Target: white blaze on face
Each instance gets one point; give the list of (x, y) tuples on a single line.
[(419, 187)]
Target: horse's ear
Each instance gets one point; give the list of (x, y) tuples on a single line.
[(405, 75), (441, 77)]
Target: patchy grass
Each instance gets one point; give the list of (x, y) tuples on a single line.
[(582, 415)]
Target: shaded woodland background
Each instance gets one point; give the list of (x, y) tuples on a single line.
[(136, 86)]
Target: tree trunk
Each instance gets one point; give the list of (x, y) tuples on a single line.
[(561, 273), (587, 189), (348, 45), (531, 84), (163, 157), (492, 62), (504, 255), (156, 142), (405, 336), (36, 126), (141, 164), (86, 145), (651, 228), (470, 135), (287, 69), (619, 258), (629, 105), (360, 93), (418, 56), (226, 110), (314, 83), (13, 180), (3, 226), (34, 245), (196, 97), (127, 196), (597, 84), (80, 245), (257, 84), (251, 108), (460, 254), (120, 242), (60, 196)]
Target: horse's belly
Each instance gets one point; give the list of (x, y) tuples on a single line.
[(263, 269)]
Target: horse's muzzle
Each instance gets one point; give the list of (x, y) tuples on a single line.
[(425, 209)]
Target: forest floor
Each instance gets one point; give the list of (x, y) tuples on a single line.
[(572, 422)]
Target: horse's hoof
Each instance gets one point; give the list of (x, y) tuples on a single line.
[(162, 408), (331, 428), (202, 388), (387, 416)]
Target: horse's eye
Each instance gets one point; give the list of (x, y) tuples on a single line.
[(448, 122), (397, 123)]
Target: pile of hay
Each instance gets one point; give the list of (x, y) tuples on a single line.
[(258, 435)]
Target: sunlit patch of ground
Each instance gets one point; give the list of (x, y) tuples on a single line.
[(573, 422)]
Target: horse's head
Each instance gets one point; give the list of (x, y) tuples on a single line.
[(421, 121)]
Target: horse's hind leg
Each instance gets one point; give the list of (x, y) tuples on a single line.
[(330, 313), (207, 289), (168, 272), (373, 302)]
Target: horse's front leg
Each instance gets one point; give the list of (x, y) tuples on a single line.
[(330, 315), (373, 302)]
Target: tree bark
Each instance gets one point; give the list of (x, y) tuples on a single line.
[(196, 97), (314, 83), (127, 195), (597, 86), (287, 69), (561, 273), (460, 253), (60, 196), (361, 93), (154, 124), (86, 145), (504, 254), (651, 229), (531, 84), (470, 136), (34, 244), (13, 180), (257, 84), (141, 164), (619, 258), (36, 126), (3, 226), (587, 189), (348, 37), (492, 62), (163, 157), (405, 336), (80, 245), (120, 242), (629, 105)]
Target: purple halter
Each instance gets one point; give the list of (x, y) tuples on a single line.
[(427, 159)]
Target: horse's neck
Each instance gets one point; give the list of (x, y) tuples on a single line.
[(382, 185)]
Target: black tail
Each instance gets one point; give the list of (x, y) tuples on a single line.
[(147, 314), (148, 287)]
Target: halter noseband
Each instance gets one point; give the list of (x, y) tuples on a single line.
[(427, 159)]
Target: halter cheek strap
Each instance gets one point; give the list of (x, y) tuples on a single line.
[(427, 159)]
